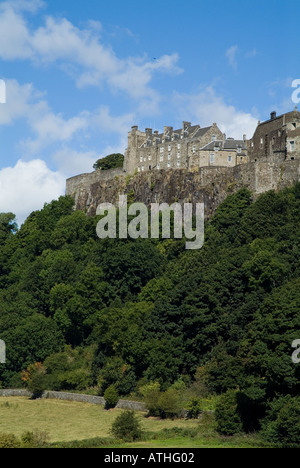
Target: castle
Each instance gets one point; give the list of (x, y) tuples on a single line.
[(196, 164), (188, 147)]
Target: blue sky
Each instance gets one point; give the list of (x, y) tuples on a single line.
[(79, 74)]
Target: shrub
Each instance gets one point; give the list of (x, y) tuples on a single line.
[(227, 417), (35, 379), (127, 427), (9, 441), (169, 404), (281, 427), (35, 439), (151, 394), (194, 408), (111, 397)]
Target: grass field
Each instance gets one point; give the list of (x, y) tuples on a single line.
[(66, 421)]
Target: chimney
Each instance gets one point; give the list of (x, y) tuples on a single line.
[(244, 138), (186, 125), (273, 115), (168, 130), (134, 128), (148, 131)]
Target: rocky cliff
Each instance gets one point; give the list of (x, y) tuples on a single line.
[(208, 185)]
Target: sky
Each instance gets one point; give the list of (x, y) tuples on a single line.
[(79, 74)]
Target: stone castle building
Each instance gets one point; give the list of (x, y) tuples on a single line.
[(195, 164), (276, 139), (189, 147)]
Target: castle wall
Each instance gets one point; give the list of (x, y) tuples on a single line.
[(208, 185)]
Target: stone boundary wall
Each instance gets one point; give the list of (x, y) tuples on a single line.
[(92, 399)]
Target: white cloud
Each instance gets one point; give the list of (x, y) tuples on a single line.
[(79, 52), (231, 56), (71, 162), (207, 107), (27, 186)]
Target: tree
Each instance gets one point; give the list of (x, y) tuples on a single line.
[(8, 226), (127, 427), (111, 397), (111, 161)]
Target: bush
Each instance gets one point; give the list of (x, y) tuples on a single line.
[(127, 427), (169, 404), (9, 441), (227, 417), (36, 439), (151, 393), (35, 379), (194, 408), (281, 427), (111, 397)]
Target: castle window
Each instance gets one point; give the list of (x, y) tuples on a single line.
[(139, 169), (239, 149), (279, 133), (178, 162), (229, 158), (143, 168), (169, 165), (212, 158), (178, 146), (292, 146), (149, 157), (158, 166), (161, 149), (261, 141), (145, 159), (169, 156), (194, 149), (141, 158), (213, 138), (169, 147), (178, 154)]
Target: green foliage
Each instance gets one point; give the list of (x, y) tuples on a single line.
[(281, 427), (151, 394), (34, 439), (9, 441), (163, 404), (127, 427), (111, 397), (120, 311), (111, 161), (194, 408), (169, 404), (227, 417)]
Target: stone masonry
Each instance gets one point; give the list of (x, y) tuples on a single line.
[(211, 166)]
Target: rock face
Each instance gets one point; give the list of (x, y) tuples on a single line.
[(208, 185)]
